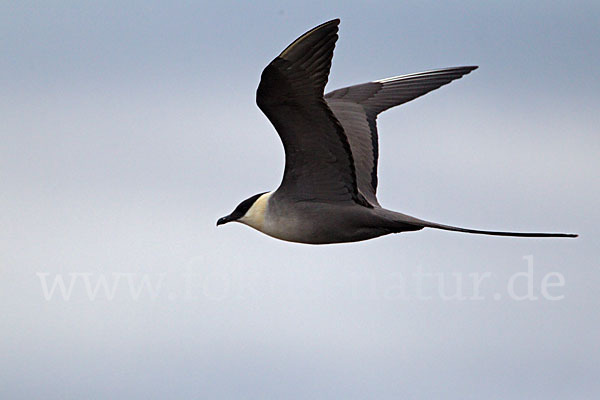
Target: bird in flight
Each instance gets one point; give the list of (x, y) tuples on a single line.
[(328, 190)]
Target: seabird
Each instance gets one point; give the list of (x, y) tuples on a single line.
[(328, 190)]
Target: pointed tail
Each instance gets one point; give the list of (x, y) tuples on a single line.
[(498, 233), (406, 219)]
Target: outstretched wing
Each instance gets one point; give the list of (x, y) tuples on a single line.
[(318, 159), (356, 108)]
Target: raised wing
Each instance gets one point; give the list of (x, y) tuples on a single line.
[(318, 159), (356, 108)]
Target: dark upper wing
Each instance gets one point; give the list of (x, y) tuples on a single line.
[(318, 159), (357, 107)]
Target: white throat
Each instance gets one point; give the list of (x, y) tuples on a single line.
[(255, 216)]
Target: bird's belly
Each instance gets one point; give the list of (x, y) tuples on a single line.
[(322, 227)]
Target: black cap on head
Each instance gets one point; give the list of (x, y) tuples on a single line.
[(240, 210)]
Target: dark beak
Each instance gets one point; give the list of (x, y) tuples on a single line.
[(224, 220)]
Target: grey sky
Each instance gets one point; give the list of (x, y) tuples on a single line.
[(128, 129)]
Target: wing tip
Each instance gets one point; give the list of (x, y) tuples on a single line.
[(462, 70), (331, 25)]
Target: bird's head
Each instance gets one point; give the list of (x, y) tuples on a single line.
[(250, 211)]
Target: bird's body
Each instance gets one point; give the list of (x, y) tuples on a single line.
[(320, 222), (328, 191)]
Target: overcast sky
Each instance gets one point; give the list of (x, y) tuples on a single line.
[(129, 128)]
